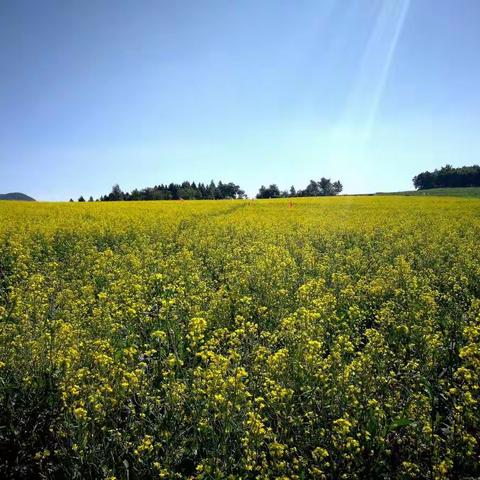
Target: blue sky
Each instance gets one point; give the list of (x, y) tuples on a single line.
[(141, 92)]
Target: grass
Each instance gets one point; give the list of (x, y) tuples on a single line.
[(439, 192)]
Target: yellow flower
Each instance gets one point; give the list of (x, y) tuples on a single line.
[(80, 413)]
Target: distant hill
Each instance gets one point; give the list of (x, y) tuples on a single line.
[(16, 196), (440, 192)]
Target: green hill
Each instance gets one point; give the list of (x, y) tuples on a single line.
[(440, 192), (16, 196)]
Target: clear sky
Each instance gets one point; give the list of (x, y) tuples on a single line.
[(141, 92)]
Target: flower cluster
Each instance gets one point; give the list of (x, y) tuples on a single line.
[(333, 338)]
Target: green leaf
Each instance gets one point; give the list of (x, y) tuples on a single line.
[(400, 422)]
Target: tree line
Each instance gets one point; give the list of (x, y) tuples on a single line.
[(322, 188), (447, 177), (178, 191), (216, 191)]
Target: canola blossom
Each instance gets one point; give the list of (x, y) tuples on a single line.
[(329, 338)]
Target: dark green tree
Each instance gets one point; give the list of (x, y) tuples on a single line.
[(173, 191), (116, 194), (325, 186), (448, 177), (337, 187), (269, 192)]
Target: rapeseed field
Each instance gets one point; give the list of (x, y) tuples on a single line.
[(331, 338)]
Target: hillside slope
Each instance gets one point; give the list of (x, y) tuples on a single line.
[(16, 196), (442, 192)]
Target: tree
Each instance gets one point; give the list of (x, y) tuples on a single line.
[(90, 199), (211, 191), (220, 192), (71, 200), (116, 194), (447, 177), (337, 187), (186, 190), (241, 193), (312, 189), (262, 192), (271, 192), (325, 187), (81, 199), (173, 189)]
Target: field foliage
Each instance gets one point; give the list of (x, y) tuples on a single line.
[(289, 339)]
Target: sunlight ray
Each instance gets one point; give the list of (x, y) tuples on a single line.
[(368, 87), (352, 134), (377, 61)]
